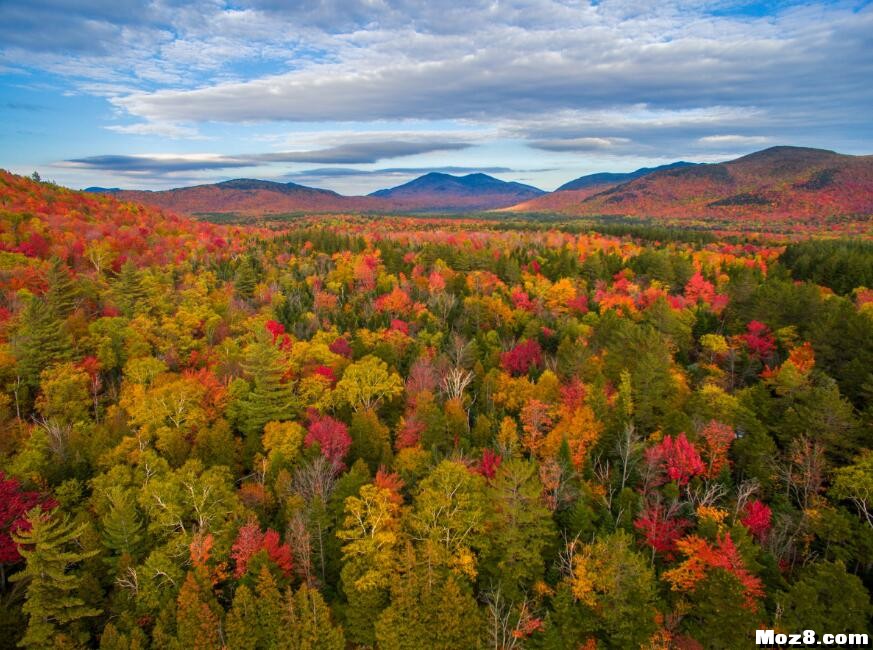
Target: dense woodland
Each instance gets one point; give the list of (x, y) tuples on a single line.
[(412, 433)]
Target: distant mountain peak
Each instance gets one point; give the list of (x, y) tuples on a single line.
[(613, 178)]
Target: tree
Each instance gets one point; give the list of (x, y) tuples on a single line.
[(371, 534), (62, 293), (52, 603), (123, 530), (367, 383), (40, 340), (428, 610), (520, 529), (448, 517), (370, 440), (15, 503), (127, 290), (854, 483), (826, 598), (674, 460), (198, 615), (255, 622), (270, 399), (331, 435), (307, 623), (614, 591)]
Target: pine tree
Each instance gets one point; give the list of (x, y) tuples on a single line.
[(429, 610), (521, 530), (62, 291), (122, 525), (127, 290), (307, 624), (52, 601), (41, 340), (255, 622), (269, 399), (198, 624), (245, 280)]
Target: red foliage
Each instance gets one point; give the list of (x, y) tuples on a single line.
[(675, 460), (758, 339), (275, 328), (757, 518), (251, 540), (702, 555), (391, 482), (522, 358), (14, 504), (409, 433), (661, 527), (718, 438), (489, 463), (341, 347), (331, 435)]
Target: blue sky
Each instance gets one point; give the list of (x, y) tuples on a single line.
[(356, 95)]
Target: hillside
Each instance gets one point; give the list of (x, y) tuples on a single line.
[(436, 191), (611, 178), (779, 183), (248, 197)]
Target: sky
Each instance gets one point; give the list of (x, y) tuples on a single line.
[(357, 95)]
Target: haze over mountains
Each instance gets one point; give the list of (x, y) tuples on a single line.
[(775, 182)]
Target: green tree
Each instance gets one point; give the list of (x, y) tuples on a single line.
[(429, 610), (520, 529), (370, 440), (827, 599), (307, 623), (255, 622), (270, 398), (52, 602)]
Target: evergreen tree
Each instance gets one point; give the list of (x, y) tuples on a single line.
[(245, 280), (370, 440), (41, 339), (52, 602), (270, 399), (255, 622), (122, 526), (429, 610), (521, 530), (62, 292), (307, 623), (127, 290), (198, 620)]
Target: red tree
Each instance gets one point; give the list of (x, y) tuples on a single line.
[(331, 435), (520, 359), (675, 460)]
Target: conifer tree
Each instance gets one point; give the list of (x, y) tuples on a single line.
[(269, 398), (198, 624), (127, 290), (255, 619), (52, 602), (41, 340), (122, 525), (307, 623), (62, 291), (429, 610), (521, 529)]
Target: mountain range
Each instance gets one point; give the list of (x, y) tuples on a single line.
[(776, 183)]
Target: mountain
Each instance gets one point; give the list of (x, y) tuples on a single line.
[(248, 197), (574, 192), (251, 197), (609, 178), (777, 184), (437, 191)]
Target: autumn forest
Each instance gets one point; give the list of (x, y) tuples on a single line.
[(348, 431)]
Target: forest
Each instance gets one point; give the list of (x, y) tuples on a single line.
[(404, 433)]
